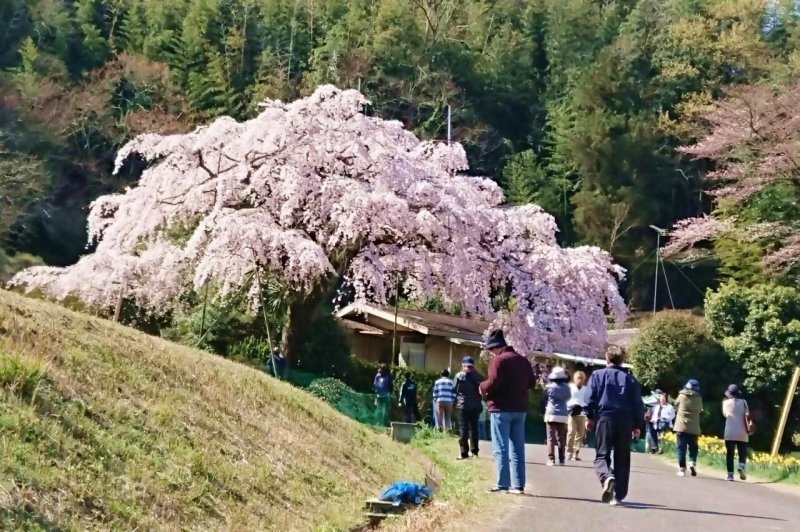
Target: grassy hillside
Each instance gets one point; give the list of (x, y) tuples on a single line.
[(102, 427)]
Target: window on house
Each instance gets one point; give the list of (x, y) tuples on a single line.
[(413, 355)]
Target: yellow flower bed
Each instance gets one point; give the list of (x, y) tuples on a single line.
[(716, 446)]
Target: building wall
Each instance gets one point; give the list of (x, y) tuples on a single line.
[(437, 349), (371, 348), (437, 354)]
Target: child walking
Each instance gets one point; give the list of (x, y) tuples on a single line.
[(556, 415)]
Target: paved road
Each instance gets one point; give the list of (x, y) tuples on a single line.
[(568, 498)]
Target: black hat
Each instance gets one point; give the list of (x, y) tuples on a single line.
[(732, 391), (496, 339)]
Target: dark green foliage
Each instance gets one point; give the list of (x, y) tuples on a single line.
[(327, 351), (674, 347), (760, 328)]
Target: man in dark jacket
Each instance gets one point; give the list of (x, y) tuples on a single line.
[(468, 405), (408, 400), (615, 411), (506, 389)]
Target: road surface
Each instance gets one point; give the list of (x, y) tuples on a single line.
[(568, 499)]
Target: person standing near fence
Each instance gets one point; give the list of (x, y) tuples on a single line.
[(506, 390), (687, 426), (383, 393), (738, 425), (615, 411), (443, 399), (277, 364), (468, 406), (408, 400), (576, 405)]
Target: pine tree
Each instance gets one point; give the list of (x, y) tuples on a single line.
[(94, 50)]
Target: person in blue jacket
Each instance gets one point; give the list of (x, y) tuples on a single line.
[(615, 411), (383, 393)]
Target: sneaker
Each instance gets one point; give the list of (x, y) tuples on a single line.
[(615, 502), (516, 491), (681, 472), (561, 462), (462, 457), (742, 474), (550, 463), (693, 469), (497, 490), (570, 457), (729, 477), (608, 489), (577, 458), (474, 455)]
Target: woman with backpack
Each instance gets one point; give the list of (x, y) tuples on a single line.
[(738, 426)]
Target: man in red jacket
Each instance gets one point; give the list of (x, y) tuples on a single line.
[(506, 389)]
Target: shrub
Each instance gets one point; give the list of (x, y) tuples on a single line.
[(760, 328), (674, 347)]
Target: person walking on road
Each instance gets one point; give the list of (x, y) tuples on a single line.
[(443, 398), (408, 400), (506, 390), (556, 415), (468, 406), (738, 425), (615, 411), (687, 425), (576, 405), (661, 417), (383, 393)]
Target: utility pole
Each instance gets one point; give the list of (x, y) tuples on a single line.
[(449, 125), (395, 354), (787, 405), (659, 233)]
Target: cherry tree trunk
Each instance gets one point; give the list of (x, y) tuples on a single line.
[(299, 319)]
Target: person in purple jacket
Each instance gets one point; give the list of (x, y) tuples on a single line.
[(615, 410)]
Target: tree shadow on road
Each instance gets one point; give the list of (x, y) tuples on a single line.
[(661, 507)]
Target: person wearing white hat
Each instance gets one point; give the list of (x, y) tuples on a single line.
[(556, 414)]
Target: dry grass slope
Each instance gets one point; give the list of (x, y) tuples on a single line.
[(102, 427)]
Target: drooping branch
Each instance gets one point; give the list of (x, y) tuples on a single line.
[(315, 192), (754, 142)]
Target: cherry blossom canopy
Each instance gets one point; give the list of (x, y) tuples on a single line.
[(317, 193)]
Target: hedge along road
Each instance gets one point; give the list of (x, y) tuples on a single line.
[(568, 499)]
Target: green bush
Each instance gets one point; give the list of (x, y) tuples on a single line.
[(674, 347), (760, 328)]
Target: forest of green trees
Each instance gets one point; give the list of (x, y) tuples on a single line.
[(577, 105)]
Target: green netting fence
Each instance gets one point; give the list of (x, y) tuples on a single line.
[(362, 407)]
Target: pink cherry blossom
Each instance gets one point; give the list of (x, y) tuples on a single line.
[(754, 140), (315, 193)]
